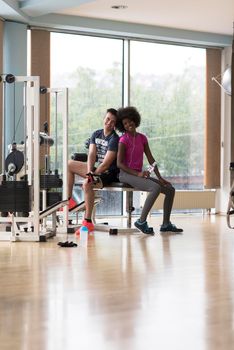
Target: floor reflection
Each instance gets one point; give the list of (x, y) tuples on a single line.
[(132, 291)]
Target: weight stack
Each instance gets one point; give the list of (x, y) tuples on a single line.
[(51, 198), (50, 181), (15, 196)]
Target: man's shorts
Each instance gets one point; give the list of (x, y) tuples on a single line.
[(100, 181), (109, 177)]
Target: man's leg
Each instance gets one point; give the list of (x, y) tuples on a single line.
[(89, 199), (89, 204), (75, 168), (89, 195)]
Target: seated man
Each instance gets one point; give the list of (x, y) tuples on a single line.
[(104, 147)]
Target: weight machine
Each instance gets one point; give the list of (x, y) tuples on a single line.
[(22, 193), (230, 209), (50, 179)]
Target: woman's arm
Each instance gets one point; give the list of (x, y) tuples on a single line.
[(122, 166), (148, 154), (151, 161)]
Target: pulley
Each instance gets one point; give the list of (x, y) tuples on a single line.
[(43, 90), (10, 78), (45, 139)]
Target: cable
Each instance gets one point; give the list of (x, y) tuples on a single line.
[(17, 125)]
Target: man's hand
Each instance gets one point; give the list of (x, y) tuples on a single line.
[(94, 180), (89, 177)]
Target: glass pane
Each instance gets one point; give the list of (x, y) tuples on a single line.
[(168, 88), (110, 204), (91, 68)]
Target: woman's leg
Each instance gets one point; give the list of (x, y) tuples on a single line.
[(169, 193), (143, 184)]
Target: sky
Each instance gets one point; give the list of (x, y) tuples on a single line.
[(68, 51)]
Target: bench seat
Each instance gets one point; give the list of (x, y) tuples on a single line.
[(116, 187)]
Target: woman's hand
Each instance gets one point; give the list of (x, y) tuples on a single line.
[(144, 174), (164, 182)]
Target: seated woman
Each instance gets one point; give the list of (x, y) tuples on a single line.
[(132, 147)]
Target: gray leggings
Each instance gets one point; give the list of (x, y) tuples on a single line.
[(154, 187)]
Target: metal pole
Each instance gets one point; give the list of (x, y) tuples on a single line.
[(56, 130), (3, 126), (25, 127)]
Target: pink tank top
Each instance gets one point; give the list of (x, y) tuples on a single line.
[(134, 150)]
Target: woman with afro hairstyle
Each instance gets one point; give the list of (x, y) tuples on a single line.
[(132, 147)]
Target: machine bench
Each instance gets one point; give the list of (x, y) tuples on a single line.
[(116, 187), (120, 187)]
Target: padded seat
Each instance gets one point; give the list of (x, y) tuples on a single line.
[(119, 185)]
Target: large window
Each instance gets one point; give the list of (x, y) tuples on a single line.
[(168, 87), (91, 68)]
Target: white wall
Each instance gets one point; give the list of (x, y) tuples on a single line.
[(223, 193)]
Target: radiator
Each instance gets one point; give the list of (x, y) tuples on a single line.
[(204, 199)]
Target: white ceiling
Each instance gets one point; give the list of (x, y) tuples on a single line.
[(214, 16), (210, 16)]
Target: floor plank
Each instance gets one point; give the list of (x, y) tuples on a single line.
[(170, 291)]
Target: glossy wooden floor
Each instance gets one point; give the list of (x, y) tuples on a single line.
[(122, 292)]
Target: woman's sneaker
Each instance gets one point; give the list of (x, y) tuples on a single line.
[(89, 225), (170, 228), (143, 227)]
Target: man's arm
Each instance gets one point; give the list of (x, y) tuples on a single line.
[(107, 161), (91, 157)]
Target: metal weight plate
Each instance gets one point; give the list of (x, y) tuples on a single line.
[(14, 162)]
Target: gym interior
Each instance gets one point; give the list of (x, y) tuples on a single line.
[(117, 287)]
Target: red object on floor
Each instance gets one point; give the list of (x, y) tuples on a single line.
[(89, 225)]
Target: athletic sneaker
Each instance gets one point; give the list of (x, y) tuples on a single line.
[(143, 227), (72, 203), (170, 228), (89, 225)]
